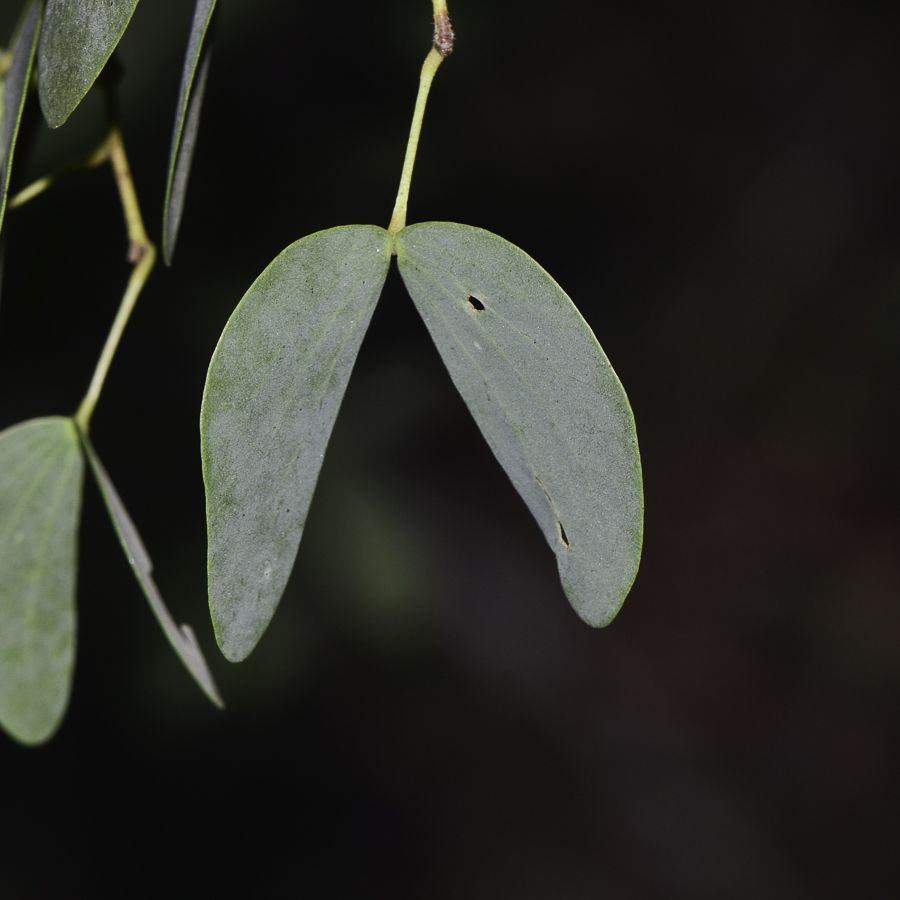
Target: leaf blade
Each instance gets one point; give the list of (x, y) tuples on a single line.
[(41, 473), (14, 90), (77, 39), (182, 638), (272, 394), (187, 122), (544, 396)]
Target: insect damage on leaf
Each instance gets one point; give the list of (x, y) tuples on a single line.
[(544, 396)]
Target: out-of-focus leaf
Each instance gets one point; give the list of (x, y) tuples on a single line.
[(77, 39), (187, 121), (544, 396), (272, 394), (41, 470), (13, 89), (182, 639)]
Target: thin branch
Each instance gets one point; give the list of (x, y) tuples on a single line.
[(89, 161), (443, 47), (430, 66), (141, 252)]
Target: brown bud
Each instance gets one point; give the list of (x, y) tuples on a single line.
[(443, 34)]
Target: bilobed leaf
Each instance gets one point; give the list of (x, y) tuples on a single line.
[(77, 39), (182, 639), (13, 89), (544, 396), (187, 121), (41, 470), (272, 394)]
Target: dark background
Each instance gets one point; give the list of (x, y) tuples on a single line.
[(717, 186)]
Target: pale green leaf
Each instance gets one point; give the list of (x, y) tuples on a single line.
[(272, 394), (14, 89), (77, 39), (182, 639), (544, 396), (187, 122), (41, 470)]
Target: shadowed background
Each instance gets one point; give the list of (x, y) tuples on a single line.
[(718, 190)]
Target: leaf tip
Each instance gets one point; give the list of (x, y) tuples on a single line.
[(235, 647)]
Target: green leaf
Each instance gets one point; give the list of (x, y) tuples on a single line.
[(14, 89), (182, 639), (544, 396), (272, 394), (41, 470), (187, 122), (77, 39)]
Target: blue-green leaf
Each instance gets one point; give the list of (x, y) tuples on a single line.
[(41, 469), (272, 394), (182, 639), (187, 121), (13, 89), (77, 39), (544, 396)]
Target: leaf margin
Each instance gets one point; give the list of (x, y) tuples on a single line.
[(187, 122), (6, 154), (181, 637)]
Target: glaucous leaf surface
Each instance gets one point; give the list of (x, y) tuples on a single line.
[(187, 122), (272, 394), (77, 39), (41, 469), (13, 89), (182, 639), (544, 396)]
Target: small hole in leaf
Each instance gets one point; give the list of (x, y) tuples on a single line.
[(562, 534), (475, 303)]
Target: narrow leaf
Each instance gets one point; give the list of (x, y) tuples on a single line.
[(187, 122), (77, 39), (182, 639), (544, 396), (41, 470), (272, 394), (14, 88)]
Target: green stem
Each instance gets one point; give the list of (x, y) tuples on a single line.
[(443, 46), (88, 161), (141, 252), (398, 219)]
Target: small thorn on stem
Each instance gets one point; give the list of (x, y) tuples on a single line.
[(443, 34)]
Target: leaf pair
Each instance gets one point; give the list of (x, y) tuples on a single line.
[(41, 476), (524, 360)]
